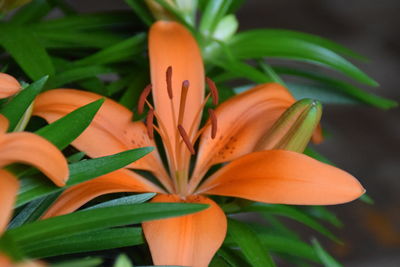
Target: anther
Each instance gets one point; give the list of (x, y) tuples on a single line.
[(143, 97), (213, 90), (169, 81), (185, 139), (185, 88), (149, 123), (213, 119)]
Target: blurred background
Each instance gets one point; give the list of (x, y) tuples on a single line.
[(364, 141)]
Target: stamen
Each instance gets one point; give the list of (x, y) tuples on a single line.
[(213, 90), (169, 81), (143, 97), (149, 123), (185, 88), (213, 119), (185, 138)]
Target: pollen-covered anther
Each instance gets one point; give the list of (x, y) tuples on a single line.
[(168, 79), (213, 119), (149, 123), (186, 139), (143, 97), (213, 90), (185, 88)]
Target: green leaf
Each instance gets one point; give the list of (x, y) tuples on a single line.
[(318, 156), (180, 16), (33, 210), (123, 261), (340, 86), (16, 107), (32, 187), (24, 46), (78, 156), (326, 259), (310, 38), (292, 213), (76, 74), (65, 130), (96, 219), (367, 199), (263, 43), (71, 39), (32, 12), (122, 51), (323, 213), (250, 244), (131, 95), (231, 257), (213, 13), (87, 262), (242, 70), (141, 10), (86, 22), (320, 92), (278, 243), (135, 199), (85, 242), (9, 247), (269, 71)]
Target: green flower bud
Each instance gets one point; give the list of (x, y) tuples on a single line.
[(294, 128)]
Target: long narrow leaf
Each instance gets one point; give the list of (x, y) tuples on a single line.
[(76, 74), (135, 199), (27, 51), (249, 243), (83, 242), (258, 44), (293, 213), (33, 210), (96, 219), (340, 86), (326, 259), (123, 51), (15, 109), (65, 130), (33, 187)]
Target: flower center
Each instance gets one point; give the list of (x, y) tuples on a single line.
[(179, 149)]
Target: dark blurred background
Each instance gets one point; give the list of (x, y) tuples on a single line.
[(365, 141)]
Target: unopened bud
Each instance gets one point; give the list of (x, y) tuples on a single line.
[(294, 128), (8, 85)]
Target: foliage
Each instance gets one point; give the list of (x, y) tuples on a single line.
[(84, 50)]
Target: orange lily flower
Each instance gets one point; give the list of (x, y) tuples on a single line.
[(230, 135), (30, 149), (8, 85)]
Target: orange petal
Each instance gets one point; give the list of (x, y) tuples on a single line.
[(285, 177), (9, 185), (111, 131), (190, 240), (3, 124), (114, 182), (5, 261), (170, 44), (242, 121), (318, 137), (36, 151), (8, 86)]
